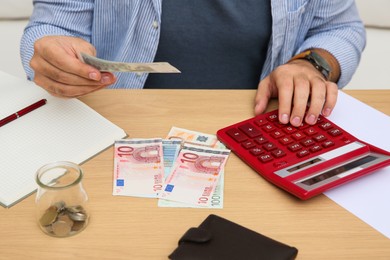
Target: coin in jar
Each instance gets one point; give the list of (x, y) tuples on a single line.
[(49, 216), (77, 213), (61, 228), (78, 225)]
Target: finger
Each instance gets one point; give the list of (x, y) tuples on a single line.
[(317, 100), (285, 86), (331, 98), (263, 94), (300, 99), (63, 90), (64, 56), (56, 74)]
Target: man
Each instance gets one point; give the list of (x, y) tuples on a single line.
[(299, 51)]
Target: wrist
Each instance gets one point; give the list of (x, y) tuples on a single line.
[(323, 61)]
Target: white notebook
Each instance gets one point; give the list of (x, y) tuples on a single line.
[(60, 130)]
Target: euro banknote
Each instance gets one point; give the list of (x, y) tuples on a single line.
[(194, 137), (138, 167), (216, 200), (112, 66), (195, 175)]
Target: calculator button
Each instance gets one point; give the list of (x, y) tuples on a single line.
[(286, 140), (304, 126), (269, 146), (278, 153), (307, 142), (289, 129), (303, 153), (256, 151), (237, 135), (319, 119), (310, 131), (272, 117), (294, 147), (335, 132), (260, 140), (279, 125), (265, 158), (345, 140), (249, 130), (325, 126), (320, 138), (260, 121), (298, 136), (277, 134), (327, 144), (248, 144), (279, 164), (268, 128), (315, 148)]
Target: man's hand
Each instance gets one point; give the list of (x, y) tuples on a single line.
[(296, 84), (59, 70)]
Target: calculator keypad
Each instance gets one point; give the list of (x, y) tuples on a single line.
[(305, 160), (268, 140)]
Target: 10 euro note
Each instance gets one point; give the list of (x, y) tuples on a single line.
[(112, 66), (171, 150), (138, 167), (195, 138), (195, 175)]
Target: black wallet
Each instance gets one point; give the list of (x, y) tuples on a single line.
[(220, 239)]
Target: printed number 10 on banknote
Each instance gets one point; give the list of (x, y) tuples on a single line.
[(195, 175), (138, 167)]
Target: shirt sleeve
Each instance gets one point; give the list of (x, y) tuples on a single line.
[(337, 28), (60, 17)]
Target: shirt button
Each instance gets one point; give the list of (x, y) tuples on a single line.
[(155, 24)]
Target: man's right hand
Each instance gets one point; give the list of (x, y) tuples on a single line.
[(59, 70)]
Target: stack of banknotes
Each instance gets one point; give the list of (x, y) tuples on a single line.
[(186, 169)]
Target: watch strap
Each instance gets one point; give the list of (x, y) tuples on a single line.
[(317, 61)]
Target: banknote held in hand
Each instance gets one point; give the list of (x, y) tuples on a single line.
[(111, 66)]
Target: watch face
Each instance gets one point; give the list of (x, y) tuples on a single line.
[(321, 62)]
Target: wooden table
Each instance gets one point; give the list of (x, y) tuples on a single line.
[(136, 228)]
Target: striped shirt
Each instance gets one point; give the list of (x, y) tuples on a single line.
[(129, 31)]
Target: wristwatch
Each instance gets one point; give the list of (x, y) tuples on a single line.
[(316, 60)]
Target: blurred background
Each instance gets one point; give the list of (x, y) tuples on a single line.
[(371, 73)]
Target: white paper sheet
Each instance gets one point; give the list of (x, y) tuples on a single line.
[(368, 197)]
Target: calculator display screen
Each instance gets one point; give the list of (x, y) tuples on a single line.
[(339, 170)]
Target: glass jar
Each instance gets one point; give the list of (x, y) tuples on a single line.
[(61, 201)]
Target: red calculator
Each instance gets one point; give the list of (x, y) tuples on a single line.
[(305, 160)]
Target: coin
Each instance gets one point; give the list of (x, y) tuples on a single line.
[(75, 209), (49, 216), (78, 225), (60, 206), (77, 216), (65, 218), (77, 213), (61, 228)]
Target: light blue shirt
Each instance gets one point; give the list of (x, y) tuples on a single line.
[(129, 30)]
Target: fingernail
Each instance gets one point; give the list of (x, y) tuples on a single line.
[(105, 80), (327, 112), (284, 118), (93, 75), (311, 119), (296, 121)]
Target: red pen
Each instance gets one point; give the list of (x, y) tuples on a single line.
[(22, 112)]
